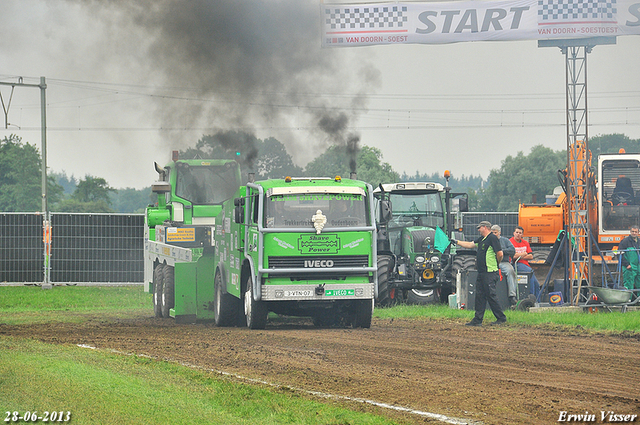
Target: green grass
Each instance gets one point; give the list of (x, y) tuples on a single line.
[(29, 298), (601, 321), (32, 304), (105, 388)]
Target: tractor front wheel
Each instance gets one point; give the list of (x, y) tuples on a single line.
[(423, 296), (387, 296)]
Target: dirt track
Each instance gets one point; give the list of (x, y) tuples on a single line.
[(494, 375)]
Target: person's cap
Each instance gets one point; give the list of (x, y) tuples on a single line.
[(484, 224)]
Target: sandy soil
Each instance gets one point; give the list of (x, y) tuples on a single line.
[(494, 375)]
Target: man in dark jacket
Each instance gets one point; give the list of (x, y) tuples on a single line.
[(489, 255), (630, 246), (508, 272)]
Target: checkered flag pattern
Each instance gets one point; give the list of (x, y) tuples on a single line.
[(363, 18), (576, 10)]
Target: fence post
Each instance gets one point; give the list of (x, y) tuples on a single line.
[(46, 241)]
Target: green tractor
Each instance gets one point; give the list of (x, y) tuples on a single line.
[(415, 258)]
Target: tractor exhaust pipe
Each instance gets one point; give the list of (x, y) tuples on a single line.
[(353, 175)]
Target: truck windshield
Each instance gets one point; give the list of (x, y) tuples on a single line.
[(416, 210), (206, 184), (297, 210)]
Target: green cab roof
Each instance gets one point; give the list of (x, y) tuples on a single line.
[(319, 183), (202, 162)]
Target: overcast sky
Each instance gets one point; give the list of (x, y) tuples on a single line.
[(128, 81)]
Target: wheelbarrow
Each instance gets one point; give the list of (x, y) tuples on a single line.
[(614, 297)]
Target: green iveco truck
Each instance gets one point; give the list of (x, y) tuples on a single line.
[(294, 246)]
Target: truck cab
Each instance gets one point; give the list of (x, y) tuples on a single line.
[(618, 196), (302, 247), (179, 234)]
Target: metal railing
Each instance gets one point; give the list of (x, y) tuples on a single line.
[(506, 220), (109, 248)]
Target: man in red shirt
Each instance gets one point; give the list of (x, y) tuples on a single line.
[(522, 255)]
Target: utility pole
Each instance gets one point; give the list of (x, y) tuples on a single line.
[(46, 221)]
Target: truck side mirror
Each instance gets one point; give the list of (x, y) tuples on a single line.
[(385, 211), (238, 211)]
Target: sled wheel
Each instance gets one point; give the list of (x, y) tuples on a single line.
[(168, 296), (158, 278)]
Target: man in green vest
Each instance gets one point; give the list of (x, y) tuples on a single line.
[(489, 255)]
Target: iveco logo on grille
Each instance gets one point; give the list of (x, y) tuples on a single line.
[(318, 263)]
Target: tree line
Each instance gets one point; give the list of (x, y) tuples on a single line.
[(520, 178)]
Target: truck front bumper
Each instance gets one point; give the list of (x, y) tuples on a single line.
[(318, 292)]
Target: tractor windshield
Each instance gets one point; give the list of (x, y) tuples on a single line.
[(297, 210), (420, 209)]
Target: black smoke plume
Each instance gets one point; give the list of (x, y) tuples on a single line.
[(244, 65), (335, 125)]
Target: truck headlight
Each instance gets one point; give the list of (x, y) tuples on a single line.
[(419, 259)]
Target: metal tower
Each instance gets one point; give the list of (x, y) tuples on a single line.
[(580, 180)]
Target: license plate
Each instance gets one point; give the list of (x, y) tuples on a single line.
[(298, 293), (340, 292)]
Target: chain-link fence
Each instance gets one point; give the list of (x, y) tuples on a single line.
[(85, 248)]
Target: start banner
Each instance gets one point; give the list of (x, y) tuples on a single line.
[(452, 22)]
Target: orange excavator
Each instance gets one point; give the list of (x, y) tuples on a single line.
[(613, 205)]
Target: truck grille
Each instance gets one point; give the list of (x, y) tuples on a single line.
[(328, 261)]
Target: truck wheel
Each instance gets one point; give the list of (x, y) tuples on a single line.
[(422, 296), (168, 296), (363, 313), (158, 277), (387, 297), (325, 319), (226, 306), (255, 312)]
